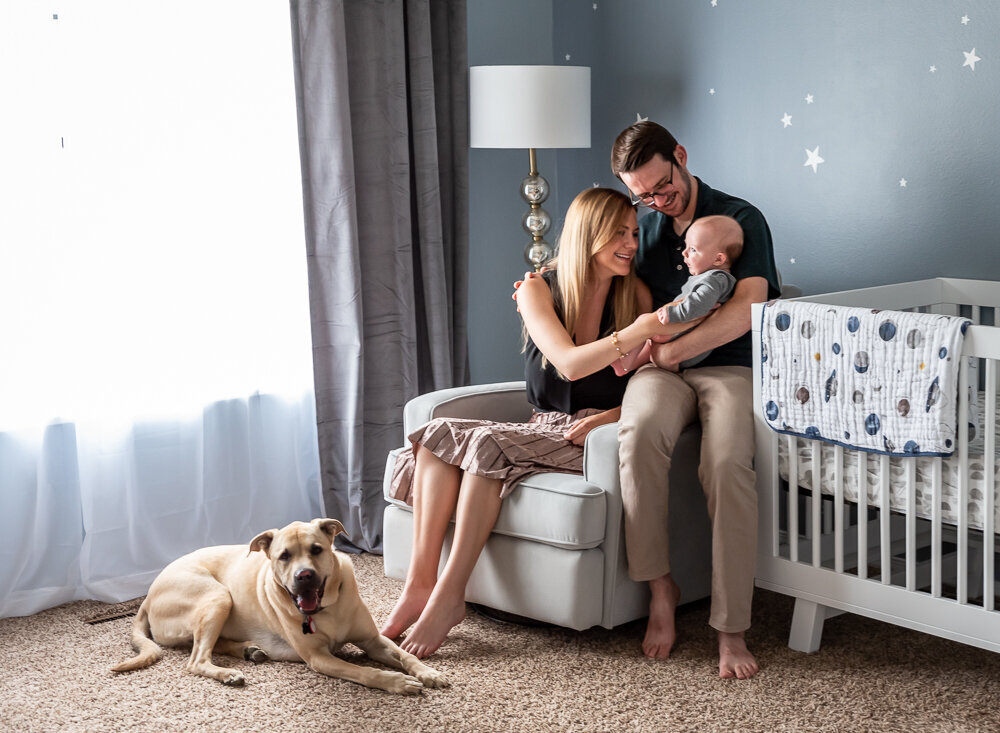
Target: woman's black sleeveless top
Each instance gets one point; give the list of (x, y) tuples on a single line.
[(547, 391)]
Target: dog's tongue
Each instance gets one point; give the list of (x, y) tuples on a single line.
[(308, 602)]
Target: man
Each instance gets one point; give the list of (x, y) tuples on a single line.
[(659, 403)]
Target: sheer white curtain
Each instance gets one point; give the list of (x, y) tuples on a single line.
[(155, 365)]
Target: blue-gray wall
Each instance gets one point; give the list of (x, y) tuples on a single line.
[(879, 115)]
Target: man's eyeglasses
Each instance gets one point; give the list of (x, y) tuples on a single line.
[(648, 199)]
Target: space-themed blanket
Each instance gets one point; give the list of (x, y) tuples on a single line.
[(881, 381)]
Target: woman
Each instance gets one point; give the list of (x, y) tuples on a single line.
[(588, 312)]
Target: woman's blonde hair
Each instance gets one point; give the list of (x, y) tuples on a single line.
[(593, 222)]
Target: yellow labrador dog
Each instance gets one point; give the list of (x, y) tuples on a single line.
[(290, 597)]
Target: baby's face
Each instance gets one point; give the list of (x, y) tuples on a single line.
[(701, 253)]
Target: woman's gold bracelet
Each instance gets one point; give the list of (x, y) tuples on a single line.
[(614, 340)]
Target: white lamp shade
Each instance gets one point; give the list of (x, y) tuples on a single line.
[(529, 106)]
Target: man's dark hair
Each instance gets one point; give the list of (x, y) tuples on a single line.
[(636, 145)]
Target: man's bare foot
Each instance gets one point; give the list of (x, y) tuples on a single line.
[(439, 617), (661, 632), (407, 610), (735, 660)]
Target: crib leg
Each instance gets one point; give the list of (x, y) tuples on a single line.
[(807, 626)]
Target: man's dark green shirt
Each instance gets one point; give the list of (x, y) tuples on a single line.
[(660, 262)]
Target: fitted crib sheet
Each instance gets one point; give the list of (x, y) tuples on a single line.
[(924, 473)]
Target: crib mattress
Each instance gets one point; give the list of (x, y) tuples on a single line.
[(950, 467)]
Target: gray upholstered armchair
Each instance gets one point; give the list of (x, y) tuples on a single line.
[(557, 553)]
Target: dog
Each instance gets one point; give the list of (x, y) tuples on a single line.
[(290, 597)]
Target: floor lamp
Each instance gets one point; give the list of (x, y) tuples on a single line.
[(530, 107)]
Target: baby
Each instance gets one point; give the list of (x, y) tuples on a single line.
[(713, 244)]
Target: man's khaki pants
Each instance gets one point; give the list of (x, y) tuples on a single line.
[(658, 405)]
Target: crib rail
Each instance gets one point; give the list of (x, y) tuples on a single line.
[(877, 557)]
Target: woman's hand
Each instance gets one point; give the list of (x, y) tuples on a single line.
[(662, 331), (577, 432), (633, 360)]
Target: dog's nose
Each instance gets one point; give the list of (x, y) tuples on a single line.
[(306, 575)]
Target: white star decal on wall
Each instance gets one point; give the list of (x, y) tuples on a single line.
[(792, 260), (786, 120), (711, 91), (933, 69), (813, 158), (715, 3), (809, 99), (965, 20), (640, 118), (971, 59), (595, 6), (567, 57), (902, 183)]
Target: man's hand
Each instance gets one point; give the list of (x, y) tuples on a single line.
[(527, 276), (662, 355)]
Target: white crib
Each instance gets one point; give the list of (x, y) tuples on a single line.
[(927, 562)]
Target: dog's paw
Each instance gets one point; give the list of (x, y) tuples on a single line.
[(254, 654), (433, 678), (403, 684), (234, 679)]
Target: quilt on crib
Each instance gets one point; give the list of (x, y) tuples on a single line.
[(879, 381)]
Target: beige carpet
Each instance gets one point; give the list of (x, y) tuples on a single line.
[(868, 676)]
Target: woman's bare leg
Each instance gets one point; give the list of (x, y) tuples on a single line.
[(435, 493), (478, 506)]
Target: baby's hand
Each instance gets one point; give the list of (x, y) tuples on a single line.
[(663, 315)]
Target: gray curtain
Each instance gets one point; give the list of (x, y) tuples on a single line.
[(383, 120)]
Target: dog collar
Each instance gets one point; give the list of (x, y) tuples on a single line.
[(309, 626)]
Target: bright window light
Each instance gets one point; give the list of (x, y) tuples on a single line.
[(152, 255)]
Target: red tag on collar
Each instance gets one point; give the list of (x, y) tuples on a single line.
[(309, 626)]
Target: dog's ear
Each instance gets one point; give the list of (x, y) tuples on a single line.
[(262, 541), (330, 527)]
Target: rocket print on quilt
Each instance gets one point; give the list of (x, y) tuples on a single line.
[(880, 381)]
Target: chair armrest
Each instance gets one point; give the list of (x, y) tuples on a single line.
[(600, 458), (502, 401)]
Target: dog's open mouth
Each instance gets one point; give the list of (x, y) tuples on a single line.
[(308, 600)]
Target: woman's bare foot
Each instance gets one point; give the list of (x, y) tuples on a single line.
[(661, 633), (735, 660), (443, 612), (407, 610)]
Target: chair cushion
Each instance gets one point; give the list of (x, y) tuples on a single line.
[(558, 509)]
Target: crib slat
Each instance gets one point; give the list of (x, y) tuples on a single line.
[(885, 534), (989, 482), (775, 490), (817, 502), (793, 498), (838, 510), (862, 514), (936, 478), (963, 482), (910, 465)]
